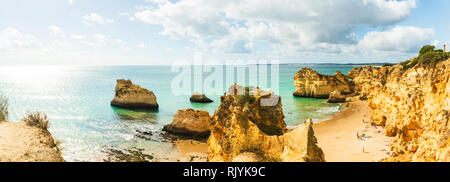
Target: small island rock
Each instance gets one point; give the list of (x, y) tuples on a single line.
[(131, 96)]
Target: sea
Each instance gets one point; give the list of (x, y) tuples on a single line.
[(77, 100)]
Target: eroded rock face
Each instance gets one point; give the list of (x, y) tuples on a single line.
[(131, 96), (190, 122), (336, 97), (365, 77), (243, 130), (309, 83), (413, 105), (200, 98)]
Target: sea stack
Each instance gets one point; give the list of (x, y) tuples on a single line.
[(131, 96), (243, 130), (190, 123), (200, 98), (309, 83)]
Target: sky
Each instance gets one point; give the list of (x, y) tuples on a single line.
[(160, 32)]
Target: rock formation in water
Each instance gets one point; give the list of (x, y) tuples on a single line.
[(243, 130), (309, 83), (131, 96), (336, 97), (190, 123), (414, 106), (200, 98)]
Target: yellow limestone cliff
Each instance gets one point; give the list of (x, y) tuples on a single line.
[(413, 105), (244, 130)]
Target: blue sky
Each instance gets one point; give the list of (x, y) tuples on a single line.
[(137, 32)]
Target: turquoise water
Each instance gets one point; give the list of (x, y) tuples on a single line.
[(77, 102)]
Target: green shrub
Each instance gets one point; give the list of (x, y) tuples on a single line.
[(36, 119), (428, 56), (425, 49), (431, 58), (3, 108), (387, 64)]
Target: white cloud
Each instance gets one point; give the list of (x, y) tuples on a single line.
[(56, 31), (284, 25), (71, 2), (93, 17), (131, 18), (78, 36), (99, 40), (11, 39), (400, 38), (57, 37), (143, 45)]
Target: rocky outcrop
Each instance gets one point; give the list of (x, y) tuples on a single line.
[(243, 130), (131, 96), (200, 98), (336, 97), (413, 105), (309, 83), (365, 77), (190, 123)]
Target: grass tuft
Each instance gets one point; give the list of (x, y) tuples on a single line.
[(4, 104), (36, 119)]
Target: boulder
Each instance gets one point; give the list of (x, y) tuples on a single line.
[(336, 97), (189, 123), (131, 96), (200, 98)]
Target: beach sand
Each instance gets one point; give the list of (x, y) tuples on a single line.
[(22, 143), (188, 151), (338, 136)]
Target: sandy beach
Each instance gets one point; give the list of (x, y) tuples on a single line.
[(22, 143), (188, 151), (338, 136)]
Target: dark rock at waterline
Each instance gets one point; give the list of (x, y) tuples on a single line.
[(200, 98), (131, 96)]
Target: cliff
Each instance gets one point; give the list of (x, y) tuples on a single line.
[(413, 105), (22, 143), (243, 130), (131, 96), (309, 83)]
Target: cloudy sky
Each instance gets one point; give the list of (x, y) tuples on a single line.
[(137, 32)]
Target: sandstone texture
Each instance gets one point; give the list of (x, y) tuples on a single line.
[(190, 122), (243, 130), (413, 105), (131, 96), (309, 83), (22, 143), (336, 97)]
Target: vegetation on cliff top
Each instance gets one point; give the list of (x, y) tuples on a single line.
[(36, 119), (428, 56), (3, 107)]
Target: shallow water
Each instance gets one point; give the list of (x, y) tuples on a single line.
[(77, 102)]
